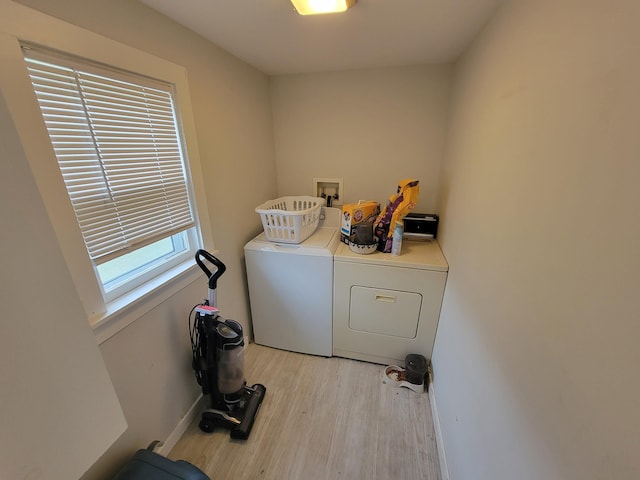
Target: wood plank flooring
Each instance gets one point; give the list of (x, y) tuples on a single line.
[(321, 419)]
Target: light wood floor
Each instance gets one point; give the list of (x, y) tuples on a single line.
[(322, 418)]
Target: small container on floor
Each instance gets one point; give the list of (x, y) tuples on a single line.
[(416, 368)]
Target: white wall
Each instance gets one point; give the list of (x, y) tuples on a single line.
[(370, 127), (51, 371), (536, 356), (149, 360)]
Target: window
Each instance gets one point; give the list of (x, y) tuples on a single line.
[(117, 140)]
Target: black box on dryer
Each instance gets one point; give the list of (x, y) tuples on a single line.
[(420, 226)]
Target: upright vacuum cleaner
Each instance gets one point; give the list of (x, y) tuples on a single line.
[(218, 362)]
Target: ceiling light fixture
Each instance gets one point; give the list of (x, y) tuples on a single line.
[(312, 7)]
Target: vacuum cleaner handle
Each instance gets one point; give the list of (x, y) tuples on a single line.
[(221, 267)]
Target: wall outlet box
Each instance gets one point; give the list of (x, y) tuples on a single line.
[(330, 189)]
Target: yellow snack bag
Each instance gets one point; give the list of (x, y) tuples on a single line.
[(401, 203)]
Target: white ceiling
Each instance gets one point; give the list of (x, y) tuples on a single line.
[(272, 37)]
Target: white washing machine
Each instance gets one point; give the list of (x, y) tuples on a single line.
[(385, 306), (291, 289)]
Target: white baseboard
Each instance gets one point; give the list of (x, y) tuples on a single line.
[(442, 458), (182, 426)]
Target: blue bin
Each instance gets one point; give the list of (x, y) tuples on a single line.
[(147, 465)]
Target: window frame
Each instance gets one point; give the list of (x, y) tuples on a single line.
[(144, 274), (48, 66), (106, 317)]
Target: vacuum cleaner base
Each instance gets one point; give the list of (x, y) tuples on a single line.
[(239, 421)]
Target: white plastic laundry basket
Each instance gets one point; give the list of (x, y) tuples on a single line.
[(290, 219)]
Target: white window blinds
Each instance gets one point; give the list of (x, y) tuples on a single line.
[(119, 151)]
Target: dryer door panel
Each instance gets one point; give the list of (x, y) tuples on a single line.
[(386, 312), (361, 324)]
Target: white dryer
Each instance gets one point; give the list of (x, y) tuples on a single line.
[(291, 289), (385, 306)]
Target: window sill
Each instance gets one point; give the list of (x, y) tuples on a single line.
[(129, 307)]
